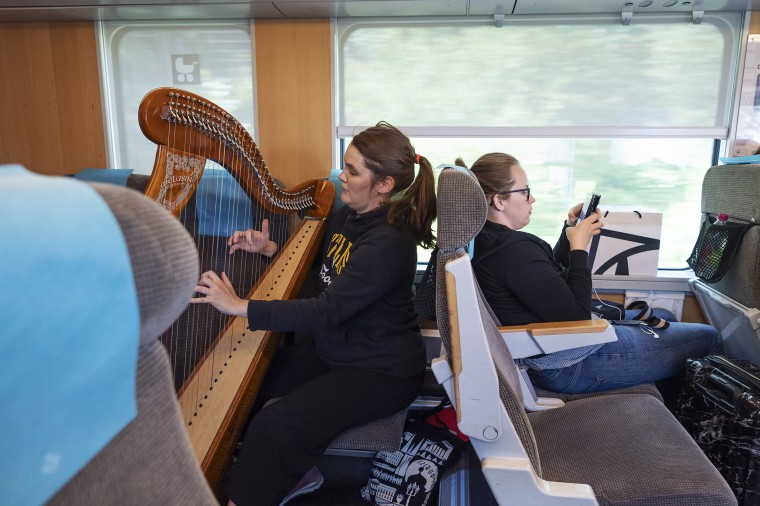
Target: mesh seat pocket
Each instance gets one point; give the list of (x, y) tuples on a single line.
[(715, 248)]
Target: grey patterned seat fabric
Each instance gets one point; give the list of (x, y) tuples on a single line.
[(733, 190), (627, 447), (644, 388), (382, 435), (732, 303), (150, 461)]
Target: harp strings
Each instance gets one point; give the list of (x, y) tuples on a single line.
[(203, 323), (223, 212), (172, 338), (200, 130)]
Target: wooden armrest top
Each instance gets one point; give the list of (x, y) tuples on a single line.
[(549, 328)]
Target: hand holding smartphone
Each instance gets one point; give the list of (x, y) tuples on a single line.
[(590, 205)]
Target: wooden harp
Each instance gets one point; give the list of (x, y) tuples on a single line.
[(219, 363)]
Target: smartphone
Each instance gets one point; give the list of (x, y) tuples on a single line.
[(589, 206)]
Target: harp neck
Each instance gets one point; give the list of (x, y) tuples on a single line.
[(190, 129)]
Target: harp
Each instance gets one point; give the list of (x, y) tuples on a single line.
[(219, 364)]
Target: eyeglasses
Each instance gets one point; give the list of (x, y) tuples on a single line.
[(525, 191)]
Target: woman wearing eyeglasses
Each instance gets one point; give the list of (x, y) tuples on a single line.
[(525, 281)]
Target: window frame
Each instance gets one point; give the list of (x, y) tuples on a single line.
[(731, 24), (106, 30)]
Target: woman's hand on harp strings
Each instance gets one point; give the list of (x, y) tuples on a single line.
[(220, 293), (253, 241)]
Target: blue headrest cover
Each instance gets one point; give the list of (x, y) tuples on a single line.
[(69, 332)]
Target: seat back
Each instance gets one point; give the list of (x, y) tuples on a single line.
[(732, 304), (734, 190), (150, 461), (462, 211)]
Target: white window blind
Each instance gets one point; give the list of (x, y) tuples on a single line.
[(210, 59), (540, 76)]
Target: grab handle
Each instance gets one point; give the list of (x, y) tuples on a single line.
[(720, 382), (720, 392)]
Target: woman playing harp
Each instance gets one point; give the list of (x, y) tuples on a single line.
[(218, 363), (367, 358)]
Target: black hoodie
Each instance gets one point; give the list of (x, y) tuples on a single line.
[(364, 314), (525, 281)]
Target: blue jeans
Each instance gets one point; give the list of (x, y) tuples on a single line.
[(640, 355)]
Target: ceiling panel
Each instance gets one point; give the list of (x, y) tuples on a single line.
[(138, 11), (38, 10), (371, 8), (490, 7), (112, 3), (616, 6)]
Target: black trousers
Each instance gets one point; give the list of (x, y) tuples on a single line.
[(288, 437)]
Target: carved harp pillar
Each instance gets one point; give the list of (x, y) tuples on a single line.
[(218, 363)]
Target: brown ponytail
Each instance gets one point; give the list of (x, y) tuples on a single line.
[(388, 153)]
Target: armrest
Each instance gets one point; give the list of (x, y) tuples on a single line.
[(548, 337)]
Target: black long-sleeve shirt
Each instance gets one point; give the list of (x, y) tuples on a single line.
[(364, 314), (525, 281)]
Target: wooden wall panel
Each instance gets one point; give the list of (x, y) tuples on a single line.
[(754, 22), (692, 312), (294, 97), (52, 120)]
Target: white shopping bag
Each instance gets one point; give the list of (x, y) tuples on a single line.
[(629, 244)]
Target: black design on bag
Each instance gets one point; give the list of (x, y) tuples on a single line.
[(620, 261), (409, 475)]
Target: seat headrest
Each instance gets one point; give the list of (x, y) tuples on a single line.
[(732, 189), (163, 256), (73, 324), (462, 208)]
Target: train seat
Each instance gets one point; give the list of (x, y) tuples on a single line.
[(524, 341), (606, 449), (150, 461), (732, 303)]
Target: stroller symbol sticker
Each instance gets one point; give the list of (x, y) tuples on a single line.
[(186, 68)]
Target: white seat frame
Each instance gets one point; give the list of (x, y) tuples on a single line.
[(532, 339), (739, 325), (473, 388)]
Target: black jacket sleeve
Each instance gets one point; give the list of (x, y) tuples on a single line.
[(534, 280), (374, 269), (562, 248)]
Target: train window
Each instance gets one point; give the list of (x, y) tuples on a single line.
[(582, 101), (211, 59), (631, 174), (660, 73)]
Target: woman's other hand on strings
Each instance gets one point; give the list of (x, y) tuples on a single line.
[(220, 293), (253, 241), (580, 235)]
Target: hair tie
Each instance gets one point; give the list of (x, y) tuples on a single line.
[(417, 159)]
